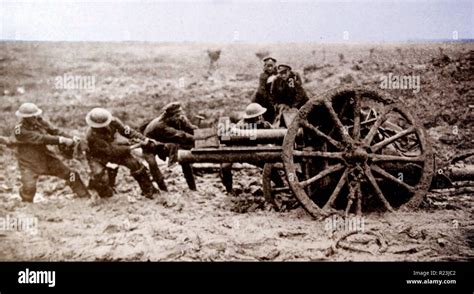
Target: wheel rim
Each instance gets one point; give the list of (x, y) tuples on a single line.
[(357, 157)]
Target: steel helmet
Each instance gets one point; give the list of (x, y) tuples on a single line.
[(28, 110), (253, 110), (98, 118)]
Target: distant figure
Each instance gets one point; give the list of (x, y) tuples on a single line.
[(262, 54), (287, 91), (263, 94), (33, 134), (213, 57), (104, 148)]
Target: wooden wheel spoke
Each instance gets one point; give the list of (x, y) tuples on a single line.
[(390, 177), (322, 154), (356, 129), (387, 141), (373, 130), (397, 158), (376, 188), (280, 189), (318, 133), (358, 199), (337, 122), (322, 174), (337, 190)]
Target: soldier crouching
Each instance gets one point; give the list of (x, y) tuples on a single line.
[(33, 134), (174, 129), (103, 149)]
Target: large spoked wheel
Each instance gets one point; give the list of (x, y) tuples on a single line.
[(361, 151)]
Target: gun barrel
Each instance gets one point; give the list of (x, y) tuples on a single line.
[(253, 137), (231, 154)]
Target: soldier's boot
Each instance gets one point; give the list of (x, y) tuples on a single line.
[(172, 155), (141, 176), (158, 177), (276, 178), (101, 187), (189, 176), (226, 177), (27, 194), (78, 187), (112, 175)]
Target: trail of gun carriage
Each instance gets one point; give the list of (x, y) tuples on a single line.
[(181, 152)]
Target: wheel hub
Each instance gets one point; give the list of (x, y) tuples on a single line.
[(356, 155)]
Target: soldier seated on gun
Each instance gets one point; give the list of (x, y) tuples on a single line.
[(263, 95), (253, 119), (104, 149), (32, 135), (287, 91), (173, 128)]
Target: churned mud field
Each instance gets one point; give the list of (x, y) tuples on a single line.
[(135, 80)]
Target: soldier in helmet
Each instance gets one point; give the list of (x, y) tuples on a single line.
[(33, 134), (254, 116), (287, 90), (173, 128), (253, 119), (263, 95), (104, 148)]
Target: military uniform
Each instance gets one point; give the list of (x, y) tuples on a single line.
[(289, 92), (173, 128), (263, 94), (104, 147), (170, 129), (35, 158)]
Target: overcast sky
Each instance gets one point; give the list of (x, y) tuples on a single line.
[(244, 21)]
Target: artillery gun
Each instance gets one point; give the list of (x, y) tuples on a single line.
[(349, 149)]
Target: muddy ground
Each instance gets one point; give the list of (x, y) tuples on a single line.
[(135, 80)]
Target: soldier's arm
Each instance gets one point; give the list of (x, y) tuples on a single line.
[(114, 150), (260, 93), (188, 127), (8, 141), (126, 131), (176, 135), (267, 125), (31, 137), (301, 97), (52, 130)]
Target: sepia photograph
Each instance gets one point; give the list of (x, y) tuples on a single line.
[(224, 130)]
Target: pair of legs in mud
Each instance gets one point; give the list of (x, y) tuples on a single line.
[(103, 177), (56, 168), (227, 180), (169, 150)]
